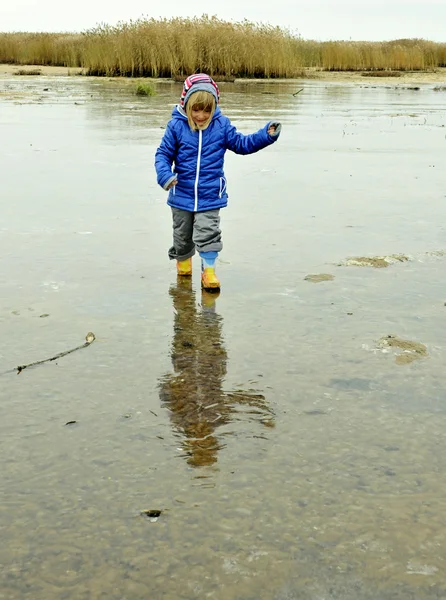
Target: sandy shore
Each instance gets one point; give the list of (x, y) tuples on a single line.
[(411, 78), (8, 70)]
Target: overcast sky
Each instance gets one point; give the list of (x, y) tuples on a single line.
[(312, 19)]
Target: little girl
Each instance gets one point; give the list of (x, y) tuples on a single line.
[(189, 163)]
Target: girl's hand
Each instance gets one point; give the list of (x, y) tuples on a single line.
[(274, 128), (174, 182)]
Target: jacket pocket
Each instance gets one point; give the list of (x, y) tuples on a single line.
[(222, 186)]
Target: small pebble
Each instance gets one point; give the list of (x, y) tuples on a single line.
[(390, 473)]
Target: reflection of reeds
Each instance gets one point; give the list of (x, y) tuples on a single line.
[(177, 47)]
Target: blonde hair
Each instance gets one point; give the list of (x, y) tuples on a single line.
[(200, 101)]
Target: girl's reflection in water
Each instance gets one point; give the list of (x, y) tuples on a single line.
[(193, 394)]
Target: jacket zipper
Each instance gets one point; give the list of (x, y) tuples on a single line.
[(200, 133)]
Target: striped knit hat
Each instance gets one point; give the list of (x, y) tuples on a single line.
[(199, 82)]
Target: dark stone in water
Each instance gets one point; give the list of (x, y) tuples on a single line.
[(151, 514)]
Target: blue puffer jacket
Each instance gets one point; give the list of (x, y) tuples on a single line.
[(197, 158)]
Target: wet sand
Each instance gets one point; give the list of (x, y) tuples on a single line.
[(289, 450), (409, 78)]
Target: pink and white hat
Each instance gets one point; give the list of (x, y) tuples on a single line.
[(199, 82)]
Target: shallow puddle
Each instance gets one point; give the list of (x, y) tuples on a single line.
[(259, 444), (319, 277)]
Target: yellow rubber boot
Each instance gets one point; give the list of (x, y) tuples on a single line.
[(184, 267), (209, 280)]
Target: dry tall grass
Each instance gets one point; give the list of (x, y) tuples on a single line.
[(42, 49), (166, 48), (182, 46), (397, 55)]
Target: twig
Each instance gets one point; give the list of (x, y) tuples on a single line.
[(90, 337), (298, 92)]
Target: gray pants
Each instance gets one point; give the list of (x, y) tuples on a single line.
[(199, 230)]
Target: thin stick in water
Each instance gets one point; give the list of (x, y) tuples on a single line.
[(90, 337)]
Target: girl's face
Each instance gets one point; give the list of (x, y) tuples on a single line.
[(200, 109), (200, 116)]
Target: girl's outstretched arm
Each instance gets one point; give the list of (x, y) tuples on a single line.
[(248, 144), (165, 157)]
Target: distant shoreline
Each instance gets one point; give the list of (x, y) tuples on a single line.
[(412, 78)]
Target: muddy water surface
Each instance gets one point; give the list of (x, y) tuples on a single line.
[(291, 453)]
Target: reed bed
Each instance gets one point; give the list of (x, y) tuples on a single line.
[(176, 47)]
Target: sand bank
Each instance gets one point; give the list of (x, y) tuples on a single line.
[(412, 78)]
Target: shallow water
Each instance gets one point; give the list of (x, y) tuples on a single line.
[(292, 457)]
